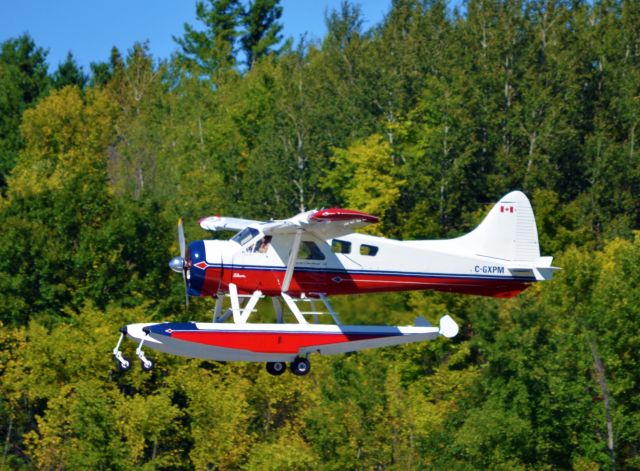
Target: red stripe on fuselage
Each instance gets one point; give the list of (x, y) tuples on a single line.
[(269, 342), (334, 283)]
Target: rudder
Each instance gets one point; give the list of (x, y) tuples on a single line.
[(508, 232)]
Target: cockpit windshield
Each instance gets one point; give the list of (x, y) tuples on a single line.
[(245, 235)]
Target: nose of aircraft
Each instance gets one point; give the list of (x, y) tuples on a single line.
[(203, 276), (197, 252)]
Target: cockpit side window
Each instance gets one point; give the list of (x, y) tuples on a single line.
[(262, 246), (245, 235)]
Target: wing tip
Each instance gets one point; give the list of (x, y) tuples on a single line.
[(448, 327), (341, 214)]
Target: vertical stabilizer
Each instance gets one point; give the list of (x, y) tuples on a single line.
[(508, 232)]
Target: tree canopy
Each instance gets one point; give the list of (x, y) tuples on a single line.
[(423, 119)]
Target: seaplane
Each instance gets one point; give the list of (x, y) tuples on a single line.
[(299, 262)]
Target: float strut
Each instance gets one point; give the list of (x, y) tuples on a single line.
[(146, 364)]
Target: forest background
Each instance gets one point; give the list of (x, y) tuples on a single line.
[(424, 120)]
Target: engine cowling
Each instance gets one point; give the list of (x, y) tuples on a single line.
[(206, 269)]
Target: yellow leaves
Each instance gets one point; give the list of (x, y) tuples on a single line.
[(76, 431), (219, 415), (188, 191), (44, 446), (55, 125), (12, 344), (143, 420), (37, 361), (66, 120), (613, 252), (66, 134), (585, 464), (419, 411), (99, 116), (289, 452), (88, 422), (368, 176), (288, 396)]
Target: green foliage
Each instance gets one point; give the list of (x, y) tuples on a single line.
[(211, 50), (69, 73), (424, 120), (103, 72), (262, 31), (23, 80), (228, 27)]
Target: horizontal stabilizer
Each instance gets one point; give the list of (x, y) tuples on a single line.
[(545, 273), (541, 269)]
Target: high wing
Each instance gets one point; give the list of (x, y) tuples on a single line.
[(217, 223), (324, 223)]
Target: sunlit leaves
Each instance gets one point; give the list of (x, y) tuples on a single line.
[(66, 135), (368, 176)]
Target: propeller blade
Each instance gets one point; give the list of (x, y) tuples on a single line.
[(186, 289), (183, 249), (182, 261)]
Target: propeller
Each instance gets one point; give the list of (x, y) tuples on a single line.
[(180, 264)]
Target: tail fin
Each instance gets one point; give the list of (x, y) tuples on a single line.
[(508, 232)]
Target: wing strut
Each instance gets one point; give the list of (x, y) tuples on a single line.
[(292, 260)]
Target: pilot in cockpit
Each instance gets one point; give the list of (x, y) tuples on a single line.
[(263, 245)]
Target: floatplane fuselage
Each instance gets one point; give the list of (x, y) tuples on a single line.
[(316, 254)]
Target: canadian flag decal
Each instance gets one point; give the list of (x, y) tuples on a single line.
[(506, 209)]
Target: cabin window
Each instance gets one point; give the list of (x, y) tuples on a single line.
[(309, 251), (245, 235), (340, 246), (370, 250)]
